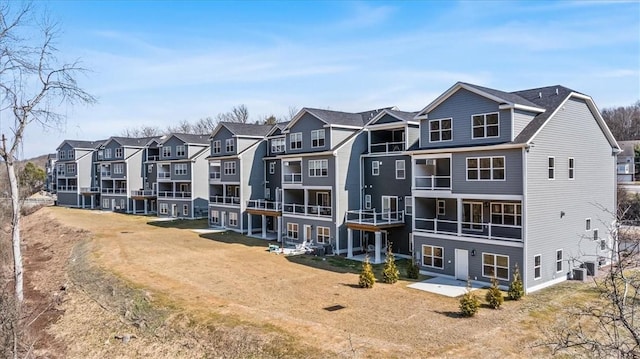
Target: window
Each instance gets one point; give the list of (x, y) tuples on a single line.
[(61, 170), (595, 235), (442, 207), (70, 154), (323, 199), (572, 171), (107, 153), (296, 140), (277, 145), (100, 154), (216, 146), (506, 213), (119, 152), (367, 201), (62, 155), (150, 168), (164, 208), (472, 215), (375, 168), (185, 210), (105, 203), (229, 145), (485, 125), (71, 168), (267, 193), (433, 256), (440, 130), (495, 265), (233, 219), (122, 204), (292, 231), (118, 168), (537, 266), (180, 169), (272, 167), (559, 260), (400, 169), (552, 167), (323, 234), (318, 168), (587, 223), (215, 217), (485, 169), (181, 151), (229, 168), (408, 205), (166, 151), (317, 138)]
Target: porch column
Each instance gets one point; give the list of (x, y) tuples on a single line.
[(82, 200), (134, 206), (93, 201), (264, 226), (280, 229), (349, 243), (378, 246), (249, 229), (306, 200), (459, 209), (145, 206)]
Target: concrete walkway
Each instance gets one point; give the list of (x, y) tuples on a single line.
[(444, 286)]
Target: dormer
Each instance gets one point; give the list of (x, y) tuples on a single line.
[(392, 131), (277, 141), (231, 139), (180, 146)]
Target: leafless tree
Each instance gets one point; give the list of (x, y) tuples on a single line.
[(624, 122), (33, 84), (293, 111), (204, 126), (142, 131), (238, 114)]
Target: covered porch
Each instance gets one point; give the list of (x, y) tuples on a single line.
[(270, 219)]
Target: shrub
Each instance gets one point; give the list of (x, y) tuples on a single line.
[(413, 270), (367, 279), (516, 289), (390, 271), (469, 303), (494, 295)]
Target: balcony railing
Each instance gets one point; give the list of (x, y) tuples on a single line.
[(504, 232), (114, 190), (387, 147), (214, 175), (67, 188), (89, 189), (433, 182), (164, 174), (224, 200), (144, 193), (153, 158), (309, 210), (292, 178), (264, 204), (372, 217), (171, 194)]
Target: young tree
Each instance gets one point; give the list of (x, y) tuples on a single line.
[(516, 288), (31, 179), (390, 271), (469, 302), (367, 279), (494, 295), (32, 84)]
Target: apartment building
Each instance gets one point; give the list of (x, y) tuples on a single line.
[(50, 171), (76, 176)]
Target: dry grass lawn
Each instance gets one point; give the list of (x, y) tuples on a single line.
[(215, 279)]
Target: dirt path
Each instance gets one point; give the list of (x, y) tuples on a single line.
[(238, 284)]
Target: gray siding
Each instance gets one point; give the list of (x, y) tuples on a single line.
[(338, 135), (413, 134), (556, 209), (253, 173), (386, 184), (230, 178), (318, 181), (244, 143), (67, 199), (274, 180), (314, 223), (520, 120), (221, 136), (513, 173), (305, 125), (461, 106), (185, 177)]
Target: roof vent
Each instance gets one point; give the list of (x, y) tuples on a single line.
[(557, 92), (540, 94)]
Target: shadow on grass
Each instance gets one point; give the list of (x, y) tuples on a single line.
[(182, 223), (343, 265), (231, 237)]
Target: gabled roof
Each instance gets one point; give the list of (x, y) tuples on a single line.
[(337, 118), (129, 141), (85, 145), (401, 116), (243, 129), (277, 128), (189, 138)]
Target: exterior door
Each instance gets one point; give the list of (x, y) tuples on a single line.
[(174, 210), (472, 216), (462, 264), (307, 233), (389, 207)]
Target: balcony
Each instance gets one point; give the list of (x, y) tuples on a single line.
[(67, 188), (292, 178), (503, 232), (105, 174), (224, 200), (214, 176), (164, 175), (387, 147), (308, 210), (153, 158), (144, 193), (113, 190), (89, 189), (433, 183), (432, 174), (171, 194), (264, 205), (369, 217)]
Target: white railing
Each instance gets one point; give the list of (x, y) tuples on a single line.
[(164, 174), (292, 178), (214, 175), (369, 216), (387, 147), (144, 193), (171, 194), (153, 158), (469, 229), (309, 210), (89, 189), (67, 188), (264, 204), (433, 182), (105, 174), (114, 190)]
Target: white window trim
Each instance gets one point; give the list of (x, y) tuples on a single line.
[(560, 261), (375, 168), (166, 151), (596, 234), (272, 168), (185, 209), (316, 168), (118, 168), (491, 168), (105, 203), (233, 219), (290, 226), (503, 213), (278, 145), (70, 154), (325, 237), (229, 145), (318, 138), (495, 265), (470, 223), (443, 207), (215, 216), (432, 256), (367, 201), (179, 168), (571, 168), (403, 169), (163, 208), (440, 130), (217, 146), (539, 267), (293, 136), (184, 151), (408, 205), (229, 168), (484, 125), (551, 168), (587, 224)]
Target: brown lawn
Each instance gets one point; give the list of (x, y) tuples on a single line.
[(214, 278)]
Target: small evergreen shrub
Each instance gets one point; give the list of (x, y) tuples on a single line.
[(367, 279), (516, 289), (469, 303), (390, 273), (413, 270), (494, 295)]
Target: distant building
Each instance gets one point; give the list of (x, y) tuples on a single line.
[(629, 161)]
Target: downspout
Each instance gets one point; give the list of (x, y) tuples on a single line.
[(525, 222)]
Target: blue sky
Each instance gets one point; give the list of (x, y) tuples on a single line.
[(158, 63)]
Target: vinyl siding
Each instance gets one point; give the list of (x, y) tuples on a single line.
[(520, 120), (513, 173), (386, 184), (557, 209), (305, 125), (221, 136), (338, 135)]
